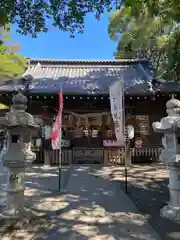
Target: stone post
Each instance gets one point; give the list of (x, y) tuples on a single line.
[(19, 126), (170, 156), (172, 210), (15, 183), (3, 175)]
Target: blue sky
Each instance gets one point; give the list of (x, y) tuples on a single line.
[(94, 43)]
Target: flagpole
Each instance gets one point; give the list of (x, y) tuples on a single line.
[(60, 155), (125, 147), (60, 100), (118, 115)]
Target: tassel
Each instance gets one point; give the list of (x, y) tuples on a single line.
[(70, 120), (78, 122), (109, 119), (86, 122), (99, 120)]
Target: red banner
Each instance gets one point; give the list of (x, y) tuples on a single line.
[(56, 133)]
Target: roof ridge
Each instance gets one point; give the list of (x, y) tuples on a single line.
[(84, 61)]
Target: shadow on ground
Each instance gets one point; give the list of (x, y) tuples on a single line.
[(93, 209), (148, 189)]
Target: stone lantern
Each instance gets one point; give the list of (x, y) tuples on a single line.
[(19, 126), (3, 175), (170, 156)]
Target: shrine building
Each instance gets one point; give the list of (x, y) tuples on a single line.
[(87, 126)]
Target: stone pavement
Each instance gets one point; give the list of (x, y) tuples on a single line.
[(92, 208), (148, 189)]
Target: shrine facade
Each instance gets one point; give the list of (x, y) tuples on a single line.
[(87, 121)]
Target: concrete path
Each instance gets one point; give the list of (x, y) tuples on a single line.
[(93, 208), (100, 210)]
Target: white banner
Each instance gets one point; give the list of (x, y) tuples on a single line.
[(116, 93)]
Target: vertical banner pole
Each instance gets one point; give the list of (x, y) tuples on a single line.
[(117, 102), (125, 146), (57, 136), (60, 95), (60, 154)]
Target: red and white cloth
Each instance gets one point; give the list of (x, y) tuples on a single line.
[(57, 132)]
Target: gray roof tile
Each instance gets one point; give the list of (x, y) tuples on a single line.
[(85, 77), (11, 85)]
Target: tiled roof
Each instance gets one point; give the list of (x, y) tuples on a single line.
[(55, 62), (12, 85), (171, 87), (87, 77)]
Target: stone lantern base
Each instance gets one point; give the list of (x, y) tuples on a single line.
[(172, 210), (3, 180), (171, 213)]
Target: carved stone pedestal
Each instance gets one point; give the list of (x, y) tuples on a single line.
[(15, 184), (19, 126), (3, 177), (3, 180), (172, 210)]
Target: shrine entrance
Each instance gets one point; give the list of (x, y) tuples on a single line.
[(87, 132), (87, 156)]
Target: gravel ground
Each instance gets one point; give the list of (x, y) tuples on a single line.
[(147, 187)]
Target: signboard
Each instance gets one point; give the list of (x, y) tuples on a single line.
[(113, 143), (36, 144), (85, 155), (65, 143), (78, 133), (142, 124), (138, 143)]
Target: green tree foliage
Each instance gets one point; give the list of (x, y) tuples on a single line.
[(166, 9), (11, 63), (146, 34), (35, 16)]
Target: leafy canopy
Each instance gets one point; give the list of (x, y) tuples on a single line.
[(12, 64), (32, 17), (142, 32)]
